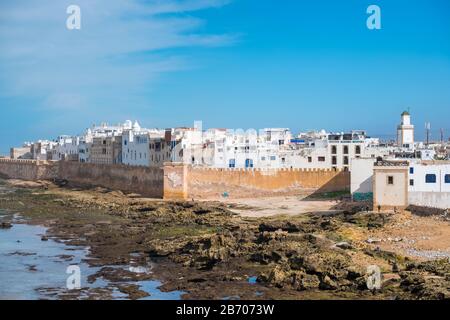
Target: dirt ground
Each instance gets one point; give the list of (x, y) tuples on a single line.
[(286, 205), (413, 236)]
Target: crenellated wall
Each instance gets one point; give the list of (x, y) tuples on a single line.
[(178, 181), (242, 183), (143, 180), (28, 169)]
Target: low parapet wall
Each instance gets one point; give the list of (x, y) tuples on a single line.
[(242, 183)]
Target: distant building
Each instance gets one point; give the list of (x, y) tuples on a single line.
[(65, 149), (21, 152), (335, 151), (42, 149), (106, 150), (137, 145)]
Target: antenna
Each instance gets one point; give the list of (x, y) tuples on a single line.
[(428, 128)]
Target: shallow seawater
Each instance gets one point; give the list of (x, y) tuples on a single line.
[(27, 263), (33, 269)]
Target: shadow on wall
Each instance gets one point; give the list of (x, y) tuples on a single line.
[(337, 187), (365, 187)]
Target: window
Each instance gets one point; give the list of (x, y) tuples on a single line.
[(358, 149), (430, 178), (309, 159), (333, 150), (249, 163), (346, 160), (321, 159), (447, 178), (411, 182), (345, 149), (390, 180), (232, 163), (273, 158), (411, 170), (125, 141), (334, 160)]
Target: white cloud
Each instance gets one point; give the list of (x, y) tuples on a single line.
[(118, 52)]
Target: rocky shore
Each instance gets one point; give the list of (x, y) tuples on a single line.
[(209, 252)]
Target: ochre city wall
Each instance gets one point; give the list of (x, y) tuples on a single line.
[(142, 180), (178, 181), (242, 183)]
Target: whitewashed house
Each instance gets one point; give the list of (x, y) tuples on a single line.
[(429, 184), (136, 146), (42, 149), (66, 148)]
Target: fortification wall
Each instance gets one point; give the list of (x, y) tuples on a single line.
[(178, 181), (143, 180), (242, 183), (28, 169)]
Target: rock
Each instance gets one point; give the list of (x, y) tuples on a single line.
[(116, 193), (5, 225), (267, 236), (373, 240), (32, 268), (44, 238), (134, 195), (328, 284), (279, 225), (278, 276), (344, 245), (207, 251), (133, 291), (266, 257), (303, 281)]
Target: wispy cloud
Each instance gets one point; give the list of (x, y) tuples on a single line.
[(120, 50)]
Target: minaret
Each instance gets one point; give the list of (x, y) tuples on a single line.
[(405, 131)]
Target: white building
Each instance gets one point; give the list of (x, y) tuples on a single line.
[(66, 148), (138, 146), (429, 184), (335, 150), (41, 149), (422, 183), (245, 149)]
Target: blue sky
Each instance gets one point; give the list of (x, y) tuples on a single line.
[(237, 64)]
